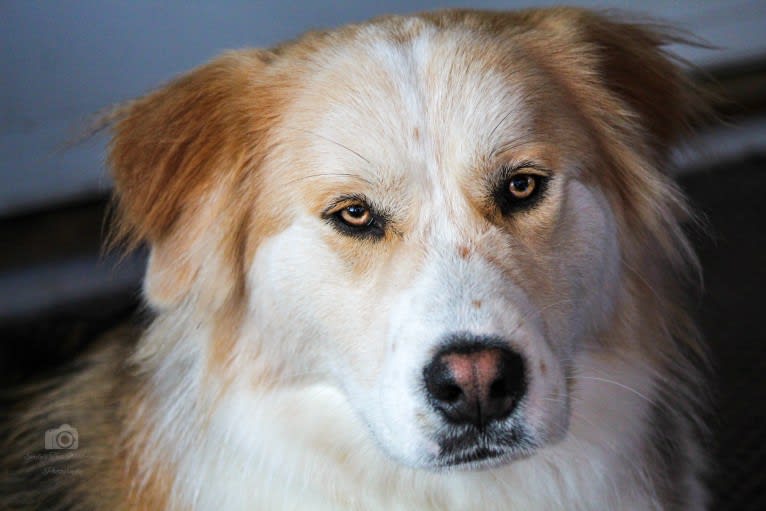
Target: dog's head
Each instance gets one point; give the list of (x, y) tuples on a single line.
[(432, 214)]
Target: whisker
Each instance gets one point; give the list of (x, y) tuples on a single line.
[(606, 380), (498, 125), (331, 141), (331, 174)]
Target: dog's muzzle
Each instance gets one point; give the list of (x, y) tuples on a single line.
[(475, 385)]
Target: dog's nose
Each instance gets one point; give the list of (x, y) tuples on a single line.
[(475, 384)]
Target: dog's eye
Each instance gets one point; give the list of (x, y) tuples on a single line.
[(356, 216), (356, 219), (519, 191)]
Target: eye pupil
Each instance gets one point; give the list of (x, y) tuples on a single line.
[(520, 183), (356, 211), (522, 186), (356, 215)]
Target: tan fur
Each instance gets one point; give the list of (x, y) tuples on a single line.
[(213, 166)]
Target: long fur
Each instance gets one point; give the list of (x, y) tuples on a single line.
[(257, 384)]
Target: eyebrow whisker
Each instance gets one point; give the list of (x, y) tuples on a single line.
[(513, 144), (331, 174), (499, 123), (331, 141)]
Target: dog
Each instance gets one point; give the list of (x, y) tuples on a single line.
[(422, 262)]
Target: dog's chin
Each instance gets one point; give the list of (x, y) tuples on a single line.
[(461, 454), (479, 459)]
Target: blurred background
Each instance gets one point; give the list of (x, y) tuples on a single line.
[(60, 62)]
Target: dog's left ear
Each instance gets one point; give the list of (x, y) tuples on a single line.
[(183, 160), (620, 71), (634, 65), (637, 103)]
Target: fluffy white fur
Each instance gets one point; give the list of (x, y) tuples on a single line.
[(284, 367), (349, 427)]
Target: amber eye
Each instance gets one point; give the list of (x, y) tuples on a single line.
[(356, 216), (519, 191), (522, 186)]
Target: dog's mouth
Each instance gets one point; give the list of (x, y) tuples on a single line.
[(482, 450), (478, 458)]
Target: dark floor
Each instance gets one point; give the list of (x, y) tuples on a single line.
[(733, 198)]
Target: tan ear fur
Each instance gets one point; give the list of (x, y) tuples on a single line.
[(621, 69), (637, 104), (635, 65), (183, 160)]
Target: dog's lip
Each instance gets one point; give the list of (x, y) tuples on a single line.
[(477, 451), (479, 454), (474, 459)]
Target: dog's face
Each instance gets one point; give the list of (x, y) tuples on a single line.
[(431, 223), (436, 226)]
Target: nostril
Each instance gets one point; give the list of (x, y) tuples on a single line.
[(500, 388), (509, 381), (448, 393), (440, 383)]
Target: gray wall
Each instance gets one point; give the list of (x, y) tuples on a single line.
[(61, 61)]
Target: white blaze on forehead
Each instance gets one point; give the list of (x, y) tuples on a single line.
[(423, 110)]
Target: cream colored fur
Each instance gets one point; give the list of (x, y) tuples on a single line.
[(284, 366)]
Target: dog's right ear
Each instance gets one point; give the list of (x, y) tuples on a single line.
[(183, 160)]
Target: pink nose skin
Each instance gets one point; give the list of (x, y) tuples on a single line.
[(475, 384)]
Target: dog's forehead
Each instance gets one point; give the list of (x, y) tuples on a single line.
[(429, 105)]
